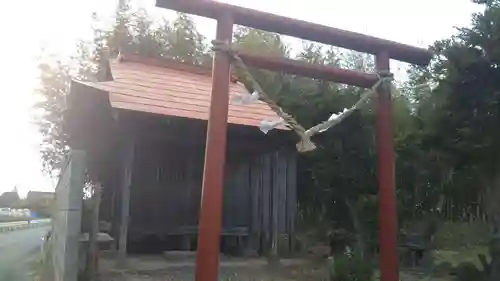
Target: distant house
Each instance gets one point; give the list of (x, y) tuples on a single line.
[(9, 199), (39, 198)]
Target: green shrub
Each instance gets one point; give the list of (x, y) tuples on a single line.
[(350, 268), (456, 235), (468, 272), (444, 268)]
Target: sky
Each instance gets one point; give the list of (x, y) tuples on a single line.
[(29, 28)]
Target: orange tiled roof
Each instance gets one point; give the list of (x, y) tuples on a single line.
[(166, 87)]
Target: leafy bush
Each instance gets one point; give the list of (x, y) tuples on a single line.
[(468, 272), (456, 235), (350, 268)]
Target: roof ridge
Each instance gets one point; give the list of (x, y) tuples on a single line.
[(171, 88), (169, 63)]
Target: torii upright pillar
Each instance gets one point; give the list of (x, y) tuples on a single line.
[(210, 220), (227, 15), (387, 219)]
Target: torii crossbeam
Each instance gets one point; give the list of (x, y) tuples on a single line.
[(207, 262)]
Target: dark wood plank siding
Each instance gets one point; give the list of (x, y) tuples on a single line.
[(278, 197), (266, 199), (127, 186), (291, 198), (256, 181), (281, 187), (166, 191), (236, 209)]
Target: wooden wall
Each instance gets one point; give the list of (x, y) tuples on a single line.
[(166, 190), (273, 198), (167, 169)]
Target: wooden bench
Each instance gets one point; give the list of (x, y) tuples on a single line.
[(190, 230), (189, 234)]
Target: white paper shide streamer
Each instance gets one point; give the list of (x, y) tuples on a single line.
[(334, 116), (245, 99), (267, 125)]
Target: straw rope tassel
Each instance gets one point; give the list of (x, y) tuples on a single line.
[(305, 143)]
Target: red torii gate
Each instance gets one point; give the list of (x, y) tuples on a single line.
[(207, 262)]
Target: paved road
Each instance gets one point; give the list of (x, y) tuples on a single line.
[(17, 249)]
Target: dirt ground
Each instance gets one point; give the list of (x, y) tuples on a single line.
[(226, 274), (307, 272), (181, 268), (165, 269)]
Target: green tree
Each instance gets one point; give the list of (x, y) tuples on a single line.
[(460, 114), (337, 179), (131, 32)]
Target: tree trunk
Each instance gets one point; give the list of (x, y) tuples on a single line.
[(358, 228)]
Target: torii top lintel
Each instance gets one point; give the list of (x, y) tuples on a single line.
[(300, 29)]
